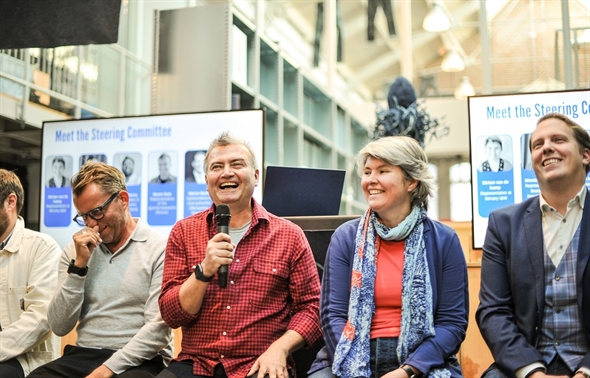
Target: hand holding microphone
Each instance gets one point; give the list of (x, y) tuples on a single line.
[(222, 215)]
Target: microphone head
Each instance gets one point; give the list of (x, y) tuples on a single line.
[(222, 215)]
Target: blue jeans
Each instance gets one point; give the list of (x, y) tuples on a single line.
[(383, 359), (383, 356)]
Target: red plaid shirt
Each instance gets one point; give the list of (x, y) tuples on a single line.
[(272, 287)]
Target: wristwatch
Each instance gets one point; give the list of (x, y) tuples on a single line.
[(74, 269), (410, 372), (200, 275)]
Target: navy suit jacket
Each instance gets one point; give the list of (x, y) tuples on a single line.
[(512, 294)]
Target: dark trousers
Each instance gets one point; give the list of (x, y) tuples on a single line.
[(11, 369), (372, 10), (184, 369), (319, 29), (79, 362)]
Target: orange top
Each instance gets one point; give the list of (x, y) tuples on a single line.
[(388, 290)]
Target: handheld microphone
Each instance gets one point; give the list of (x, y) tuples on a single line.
[(222, 215)]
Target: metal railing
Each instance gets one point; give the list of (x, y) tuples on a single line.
[(78, 81)]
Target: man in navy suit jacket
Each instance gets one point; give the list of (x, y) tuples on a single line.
[(534, 310)]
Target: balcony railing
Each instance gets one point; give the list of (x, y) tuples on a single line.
[(78, 81)]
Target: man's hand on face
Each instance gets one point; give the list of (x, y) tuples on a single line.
[(85, 241)]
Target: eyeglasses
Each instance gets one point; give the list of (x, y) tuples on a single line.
[(97, 213)]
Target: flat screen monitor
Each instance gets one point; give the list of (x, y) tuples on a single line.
[(161, 157), (290, 191), (500, 127)]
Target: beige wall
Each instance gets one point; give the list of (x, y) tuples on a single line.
[(451, 112)]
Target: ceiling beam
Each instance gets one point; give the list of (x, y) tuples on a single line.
[(419, 39), (28, 136)]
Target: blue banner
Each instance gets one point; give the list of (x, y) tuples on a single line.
[(196, 198), (134, 200), (58, 207), (530, 186), (162, 203), (496, 190)]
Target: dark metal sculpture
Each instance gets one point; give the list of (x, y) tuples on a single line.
[(406, 117)]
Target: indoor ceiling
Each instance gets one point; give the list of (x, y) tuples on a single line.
[(370, 66), (367, 67)]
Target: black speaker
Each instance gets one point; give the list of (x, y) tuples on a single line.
[(53, 23)]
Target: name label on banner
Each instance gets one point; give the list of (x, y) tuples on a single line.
[(58, 206), (196, 198), (496, 189), (162, 204)]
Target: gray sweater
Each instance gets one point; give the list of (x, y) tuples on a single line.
[(116, 303)]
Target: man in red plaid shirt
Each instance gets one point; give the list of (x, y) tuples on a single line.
[(270, 306)]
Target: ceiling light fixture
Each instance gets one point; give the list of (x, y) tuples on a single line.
[(436, 19), (465, 89), (452, 62)]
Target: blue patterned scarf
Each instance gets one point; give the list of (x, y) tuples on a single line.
[(352, 355)]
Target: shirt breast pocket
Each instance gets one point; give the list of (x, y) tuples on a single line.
[(17, 296), (271, 284)]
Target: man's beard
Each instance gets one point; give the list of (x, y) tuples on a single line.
[(4, 222)]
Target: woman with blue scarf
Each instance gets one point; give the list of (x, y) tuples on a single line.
[(394, 299)]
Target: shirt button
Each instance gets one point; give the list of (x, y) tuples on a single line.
[(274, 270), (231, 282), (224, 333), (238, 260), (557, 310), (564, 221), (561, 247), (557, 278), (222, 356), (228, 307), (557, 342)]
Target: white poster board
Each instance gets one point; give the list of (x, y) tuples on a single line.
[(156, 153), (500, 126)]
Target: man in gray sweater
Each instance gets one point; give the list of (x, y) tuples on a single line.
[(109, 283)]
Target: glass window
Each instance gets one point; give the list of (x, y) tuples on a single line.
[(460, 177)]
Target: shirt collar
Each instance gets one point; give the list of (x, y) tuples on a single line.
[(578, 199), (139, 234), (5, 242)]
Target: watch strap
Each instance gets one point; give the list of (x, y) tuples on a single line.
[(72, 268), (410, 372), (198, 269)]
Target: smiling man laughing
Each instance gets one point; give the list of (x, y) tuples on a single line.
[(271, 303), (534, 310)]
